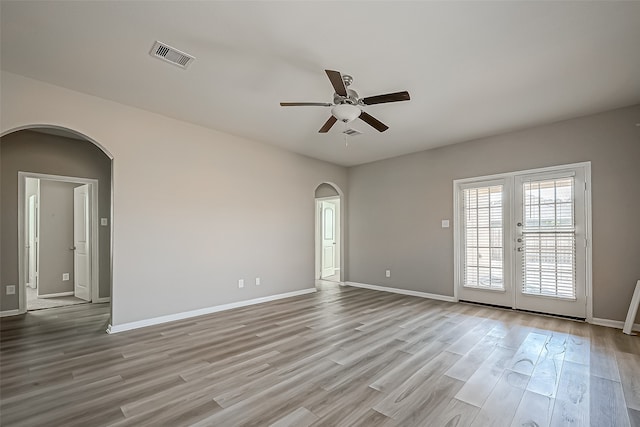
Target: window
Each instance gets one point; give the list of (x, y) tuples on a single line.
[(548, 238), (483, 237)]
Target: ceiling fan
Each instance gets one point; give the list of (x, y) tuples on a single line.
[(347, 105)]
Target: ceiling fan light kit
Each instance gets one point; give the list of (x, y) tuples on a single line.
[(347, 105), (346, 112)]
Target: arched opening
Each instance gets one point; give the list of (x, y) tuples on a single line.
[(56, 219), (329, 233)]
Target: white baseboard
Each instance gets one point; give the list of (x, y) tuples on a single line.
[(401, 291), (113, 329), (9, 313), (103, 299), (59, 294), (617, 324)]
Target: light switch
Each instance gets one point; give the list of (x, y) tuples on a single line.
[(445, 223), (104, 222)]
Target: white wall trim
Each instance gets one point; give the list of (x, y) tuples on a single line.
[(401, 291), (102, 299), (113, 329), (6, 313), (59, 294), (617, 324)]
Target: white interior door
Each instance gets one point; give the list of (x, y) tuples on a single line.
[(32, 242), (81, 243), (328, 262), (551, 242)]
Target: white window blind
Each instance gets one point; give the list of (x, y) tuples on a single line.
[(483, 240), (548, 238)]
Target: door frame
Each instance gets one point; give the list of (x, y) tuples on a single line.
[(318, 236), (510, 177), (94, 231)]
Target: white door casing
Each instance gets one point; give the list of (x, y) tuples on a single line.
[(328, 237), (544, 264), (81, 243)]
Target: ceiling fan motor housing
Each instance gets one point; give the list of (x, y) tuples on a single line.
[(351, 99)]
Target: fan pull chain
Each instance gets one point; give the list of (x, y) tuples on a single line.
[(344, 129)]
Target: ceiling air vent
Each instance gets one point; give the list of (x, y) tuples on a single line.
[(172, 55), (352, 132)]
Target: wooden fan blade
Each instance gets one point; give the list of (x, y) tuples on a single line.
[(336, 81), (372, 121), (305, 104), (324, 129), (388, 97)]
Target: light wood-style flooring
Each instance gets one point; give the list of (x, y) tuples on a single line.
[(340, 357)]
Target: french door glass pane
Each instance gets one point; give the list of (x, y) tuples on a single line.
[(484, 245), (548, 236)]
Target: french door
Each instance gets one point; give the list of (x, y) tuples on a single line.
[(522, 240)]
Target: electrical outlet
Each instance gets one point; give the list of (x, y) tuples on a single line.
[(104, 222), (65, 277), (11, 289), (257, 281), (387, 273), (445, 223), (241, 283)]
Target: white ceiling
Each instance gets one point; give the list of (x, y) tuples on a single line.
[(473, 69)]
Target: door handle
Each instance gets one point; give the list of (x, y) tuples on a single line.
[(72, 248), (520, 249)]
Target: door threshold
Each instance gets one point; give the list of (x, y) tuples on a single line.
[(539, 313)]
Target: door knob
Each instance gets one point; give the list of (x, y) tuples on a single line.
[(520, 249), (72, 248)]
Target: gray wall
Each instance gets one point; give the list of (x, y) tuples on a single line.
[(31, 187), (29, 151), (396, 205), (326, 190), (190, 212), (56, 237)]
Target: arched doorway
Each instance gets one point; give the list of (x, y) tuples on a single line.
[(329, 233), (59, 159)]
